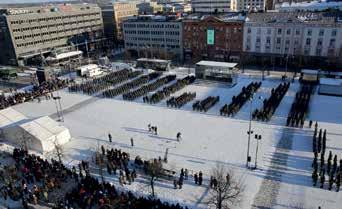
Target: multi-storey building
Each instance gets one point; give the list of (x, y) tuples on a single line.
[(211, 6), (122, 11), (248, 5), (33, 31), (213, 37), (154, 36), (293, 35)]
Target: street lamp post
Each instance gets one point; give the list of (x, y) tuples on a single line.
[(258, 138), (249, 132)]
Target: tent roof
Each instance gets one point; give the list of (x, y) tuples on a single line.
[(43, 128), (10, 116)]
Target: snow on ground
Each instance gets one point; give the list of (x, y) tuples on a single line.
[(207, 139)]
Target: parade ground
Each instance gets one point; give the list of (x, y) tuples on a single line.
[(283, 175)]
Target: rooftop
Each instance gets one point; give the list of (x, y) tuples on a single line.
[(153, 18), (217, 64), (296, 17), (50, 8)]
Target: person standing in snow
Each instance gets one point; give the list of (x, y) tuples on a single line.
[(200, 178), (196, 178), (110, 138), (132, 142), (179, 136)]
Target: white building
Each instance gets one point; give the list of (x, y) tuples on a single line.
[(211, 6), (289, 34), (247, 5), (154, 37)]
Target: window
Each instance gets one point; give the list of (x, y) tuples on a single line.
[(319, 42), (287, 42), (249, 30), (278, 40), (259, 31), (268, 40), (321, 32), (288, 31), (269, 31), (332, 42), (309, 32), (279, 31), (334, 32), (258, 39), (308, 41)]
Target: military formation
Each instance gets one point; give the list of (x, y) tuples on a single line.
[(148, 88), (110, 93), (98, 84), (178, 102), (37, 91), (239, 100), (322, 167), (300, 107), (206, 104), (271, 104), (168, 90)]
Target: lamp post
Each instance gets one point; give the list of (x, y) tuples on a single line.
[(249, 132), (258, 138)]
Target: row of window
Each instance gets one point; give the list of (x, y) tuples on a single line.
[(170, 46), (133, 25), (227, 29), (53, 18), (28, 36), (295, 31), (173, 33), (92, 21)]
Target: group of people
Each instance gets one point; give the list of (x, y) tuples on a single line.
[(168, 90), (206, 104), (90, 193), (152, 129), (37, 91), (178, 102), (110, 93), (300, 106), (98, 84), (271, 104), (148, 88), (178, 183), (32, 179), (330, 167), (239, 100)]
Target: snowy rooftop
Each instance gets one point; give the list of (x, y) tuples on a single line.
[(330, 81), (217, 64)]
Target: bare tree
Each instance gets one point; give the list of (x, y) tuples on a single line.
[(24, 139), (227, 190), (99, 160), (154, 170), (58, 151)]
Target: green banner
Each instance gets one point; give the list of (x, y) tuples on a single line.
[(210, 37)]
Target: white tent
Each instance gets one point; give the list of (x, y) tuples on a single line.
[(40, 134)]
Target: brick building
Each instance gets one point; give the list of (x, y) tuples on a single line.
[(217, 38)]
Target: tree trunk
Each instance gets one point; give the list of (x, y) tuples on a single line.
[(219, 200), (152, 186)]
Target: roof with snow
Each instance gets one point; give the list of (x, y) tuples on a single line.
[(10, 116), (217, 64), (308, 18), (330, 81)]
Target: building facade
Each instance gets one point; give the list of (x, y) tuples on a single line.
[(211, 6), (33, 31), (154, 37), (293, 36), (248, 5), (217, 38), (122, 11)]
